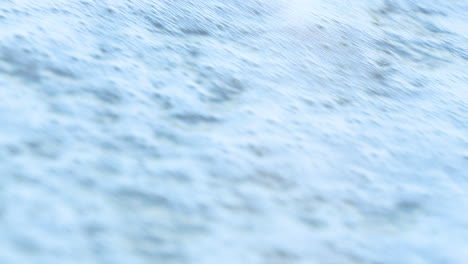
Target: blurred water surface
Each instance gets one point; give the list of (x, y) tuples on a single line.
[(236, 131)]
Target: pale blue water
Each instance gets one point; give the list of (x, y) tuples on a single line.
[(305, 131)]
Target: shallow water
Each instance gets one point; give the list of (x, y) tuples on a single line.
[(306, 131)]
